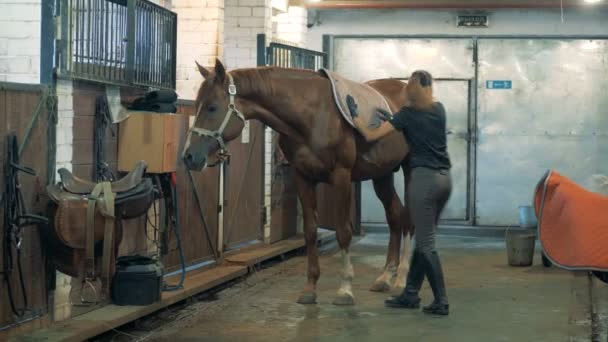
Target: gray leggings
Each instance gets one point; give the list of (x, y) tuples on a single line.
[(428, 192)]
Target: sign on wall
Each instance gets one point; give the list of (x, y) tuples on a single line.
[(472, 21), (498, 84)]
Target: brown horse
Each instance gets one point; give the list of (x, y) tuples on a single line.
[(318, 142)]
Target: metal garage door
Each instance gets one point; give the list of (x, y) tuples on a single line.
[(554, 116), (451, 63)]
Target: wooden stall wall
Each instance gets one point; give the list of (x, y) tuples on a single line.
[(243, 217), (18, 103), (244, 194), (196, 245)]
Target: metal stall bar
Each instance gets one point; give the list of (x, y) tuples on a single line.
[(122, 42)]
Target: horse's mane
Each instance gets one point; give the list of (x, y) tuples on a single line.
[(259, 80)]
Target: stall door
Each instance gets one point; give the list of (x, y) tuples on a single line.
[(542, 105)]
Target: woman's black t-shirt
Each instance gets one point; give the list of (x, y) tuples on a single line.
[(425, 132)]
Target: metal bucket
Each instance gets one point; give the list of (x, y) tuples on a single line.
[(520, 247), (527, 217)]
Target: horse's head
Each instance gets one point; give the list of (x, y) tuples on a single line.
[(217, 119)]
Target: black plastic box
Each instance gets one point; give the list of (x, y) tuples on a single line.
[(137, 281)]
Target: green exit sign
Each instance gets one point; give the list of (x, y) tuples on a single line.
[(472, 21)]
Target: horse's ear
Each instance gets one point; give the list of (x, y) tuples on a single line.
[(220, 71), (204, 71)]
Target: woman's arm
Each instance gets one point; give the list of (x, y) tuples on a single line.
[(369, 134)]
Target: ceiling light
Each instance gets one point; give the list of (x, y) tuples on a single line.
[(593, 1)]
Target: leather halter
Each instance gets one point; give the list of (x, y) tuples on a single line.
[(217, 134)]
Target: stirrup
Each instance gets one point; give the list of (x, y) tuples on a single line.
[(83, 301)]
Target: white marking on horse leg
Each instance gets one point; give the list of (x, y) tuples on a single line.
[(387, 275), (347, 275), (404, 262)]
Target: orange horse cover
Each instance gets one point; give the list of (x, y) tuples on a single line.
[(572, 223)]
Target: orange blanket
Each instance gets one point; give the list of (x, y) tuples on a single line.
[(573, 223)]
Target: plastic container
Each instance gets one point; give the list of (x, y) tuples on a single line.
[(527, 217), (520, 247), (137, 281)]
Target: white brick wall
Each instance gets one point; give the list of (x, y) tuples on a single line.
[(291, 26), (268, 134), (200, 30), (65, 122), (62, 308), (20, 41), (245, 19)]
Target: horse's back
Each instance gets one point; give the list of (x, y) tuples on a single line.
[(393, 91)]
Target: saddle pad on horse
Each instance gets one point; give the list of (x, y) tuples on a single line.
[(573, 223), (367, 99)]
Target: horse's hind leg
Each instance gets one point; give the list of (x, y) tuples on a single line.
[(306, 192), (385, 191), (408, 231), (341, 180)]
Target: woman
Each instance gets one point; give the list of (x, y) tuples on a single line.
[(424, 124)]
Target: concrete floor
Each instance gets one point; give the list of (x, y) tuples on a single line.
[(489, 300)]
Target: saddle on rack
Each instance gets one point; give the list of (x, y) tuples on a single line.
[(86, 213)]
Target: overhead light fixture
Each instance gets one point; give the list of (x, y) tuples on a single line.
[(593, 1)]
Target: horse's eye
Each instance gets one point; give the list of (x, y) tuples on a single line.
[(212, 108)]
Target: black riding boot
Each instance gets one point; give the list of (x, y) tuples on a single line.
[(409, 297), (434, 274)]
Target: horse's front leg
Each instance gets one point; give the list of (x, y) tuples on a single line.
[(341, 180), (306, 192)]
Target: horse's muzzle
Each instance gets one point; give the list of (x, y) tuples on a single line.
[(194, 161)]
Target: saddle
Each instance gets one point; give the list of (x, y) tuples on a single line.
[(572, 223), (86, 213), (368, 100)]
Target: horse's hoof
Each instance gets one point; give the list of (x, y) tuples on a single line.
[(308, 298), (380, 287), (344, 299), (400, 285)]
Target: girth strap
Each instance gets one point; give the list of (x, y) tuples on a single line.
[(105, 189)]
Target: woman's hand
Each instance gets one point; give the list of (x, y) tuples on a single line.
[(369, 134)]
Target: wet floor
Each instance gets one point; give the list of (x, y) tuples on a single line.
[(489, 301)]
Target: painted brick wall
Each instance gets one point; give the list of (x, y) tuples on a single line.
[(290, 26), (65, 123), (200, 33), (245, 19), (62, 309), (20, 41)]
